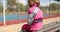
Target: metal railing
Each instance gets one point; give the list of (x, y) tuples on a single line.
[(50, 25)]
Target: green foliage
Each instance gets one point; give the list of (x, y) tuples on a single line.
[(19, 6), (11, 2), (54, 6), (43, 8), (1, 8), (26, 7), (22, 8)]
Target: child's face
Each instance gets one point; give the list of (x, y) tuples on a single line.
[(30, 2)]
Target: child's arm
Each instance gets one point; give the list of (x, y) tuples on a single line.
[(31, 16)]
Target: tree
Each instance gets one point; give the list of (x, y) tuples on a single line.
[(1, 8), (44, 8), (21, 7), (11, 4), (26, 7), (54, 6)]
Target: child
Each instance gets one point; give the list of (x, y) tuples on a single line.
[(36, 25)]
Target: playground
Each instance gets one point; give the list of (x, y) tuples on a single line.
[(17, 27), (13, 14)]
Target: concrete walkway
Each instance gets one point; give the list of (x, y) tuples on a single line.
[(17, 27)]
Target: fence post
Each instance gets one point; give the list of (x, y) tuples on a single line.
[(4, 12)]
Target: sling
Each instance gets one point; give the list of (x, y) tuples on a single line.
[(31, 16)]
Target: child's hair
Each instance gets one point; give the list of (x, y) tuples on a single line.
[(36, 2)]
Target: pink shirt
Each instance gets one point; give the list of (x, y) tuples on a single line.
[(39, 14)]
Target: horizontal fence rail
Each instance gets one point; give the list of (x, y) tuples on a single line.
[(50, 26)]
